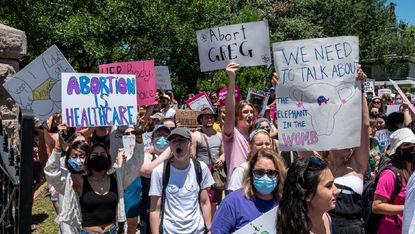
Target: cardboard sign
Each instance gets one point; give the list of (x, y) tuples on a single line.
[(404, 98), (187, 118), (199, 102), (259, 98), (384, 91), (224, 91), (90, 100), (128, 143), (264, 224), (145, 75), (163, 81), (383, 137), (319, 102), (147, 141), (369, 86), (246, 44), (392, 108), (38, 85)]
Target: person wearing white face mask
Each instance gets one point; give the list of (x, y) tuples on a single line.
[(160, 152)]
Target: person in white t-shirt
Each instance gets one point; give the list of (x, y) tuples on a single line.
[(166, 110), (185, 209)]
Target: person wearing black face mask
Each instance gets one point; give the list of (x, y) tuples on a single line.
[(387, 201)]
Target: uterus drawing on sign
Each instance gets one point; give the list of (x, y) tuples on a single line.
[(323, 102)]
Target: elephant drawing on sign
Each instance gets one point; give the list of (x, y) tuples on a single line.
[(323, 102)]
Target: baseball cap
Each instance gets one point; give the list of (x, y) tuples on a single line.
[(181, 131)]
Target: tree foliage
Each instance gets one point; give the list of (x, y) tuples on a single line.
[(92, 32)]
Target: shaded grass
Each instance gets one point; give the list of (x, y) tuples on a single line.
[(43, 214)]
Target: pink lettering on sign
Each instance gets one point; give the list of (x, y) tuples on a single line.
[(300, 138), (145, 74), (224, 91)]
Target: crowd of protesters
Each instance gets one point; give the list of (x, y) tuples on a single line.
[(228, 171)]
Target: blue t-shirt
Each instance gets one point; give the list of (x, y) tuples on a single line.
[(237, 211)]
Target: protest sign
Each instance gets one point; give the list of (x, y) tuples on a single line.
[(224, 91), (258, 98), (369, 86), (145, 75), (246, 44), (402, 94), (163, 78), (187, 118), (319, 102), (90, 100), (199, 102), (383, 137), (38, 85), (264, 224), (147, 141), (381, 92), (392, 108), (128, 143)]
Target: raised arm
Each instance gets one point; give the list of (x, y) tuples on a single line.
[(53, 172), (407, 118), (229, 122), (148, 165)]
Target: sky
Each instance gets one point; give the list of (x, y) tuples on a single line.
[(405, 10)]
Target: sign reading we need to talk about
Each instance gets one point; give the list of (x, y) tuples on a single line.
[(319, 103), (246, 44), (90, 100)]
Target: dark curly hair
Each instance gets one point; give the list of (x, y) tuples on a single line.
[(300, 187)]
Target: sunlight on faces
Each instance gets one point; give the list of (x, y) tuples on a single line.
[(325, 197), (380, 123), (208, 120), (265, 163), (180, 147), (169, 123), (77, 153), (246, 119), (260, 141)]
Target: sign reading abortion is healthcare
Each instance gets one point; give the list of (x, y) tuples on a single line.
[(319, 101), (90, 100), (246, 44)]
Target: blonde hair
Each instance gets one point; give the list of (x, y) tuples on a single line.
[(247, 182)]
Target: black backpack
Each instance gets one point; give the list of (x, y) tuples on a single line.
[(166, 177), (372, 220)]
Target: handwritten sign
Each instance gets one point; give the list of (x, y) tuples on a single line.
[(392, 108), (147, 141), (38, 85), (90, 100), (369, 86), (145, 75), (246, 44), (383, 137), (404, 98), (258, 98), (319, 101), (163, 78), (224, 91), (264, 224), (199, 102), (187, 118), (381, 92), (128, 143)]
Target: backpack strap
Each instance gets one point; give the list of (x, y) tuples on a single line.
[(166, 176)]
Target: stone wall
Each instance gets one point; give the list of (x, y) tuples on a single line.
[(13, 47)]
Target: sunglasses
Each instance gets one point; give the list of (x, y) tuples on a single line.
[(261, 172), (377, 102)]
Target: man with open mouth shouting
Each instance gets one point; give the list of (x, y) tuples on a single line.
[(179, 196)]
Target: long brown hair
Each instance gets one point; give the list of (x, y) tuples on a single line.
[(247, 183), (88, 156), (240, 106)]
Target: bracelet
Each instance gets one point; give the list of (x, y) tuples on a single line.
[(405, 110)]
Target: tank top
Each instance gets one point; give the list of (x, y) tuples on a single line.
[(98, 210), (145, 189), (202, 150)]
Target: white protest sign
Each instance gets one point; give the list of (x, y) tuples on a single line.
[(128, 143), (391, 109), (369, 86), (404, 98), (199, 102), (259, 98), (38, 85), (264, 224), (147, 141), (246, 44), (163, 78), (384, 91), (319, 102), (383, 137), (90, 100)]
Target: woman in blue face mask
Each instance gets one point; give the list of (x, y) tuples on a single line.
[(75, 157), (261, 191)]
